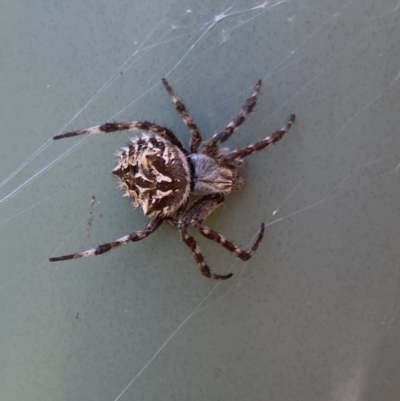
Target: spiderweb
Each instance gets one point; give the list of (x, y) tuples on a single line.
[(303, 319)]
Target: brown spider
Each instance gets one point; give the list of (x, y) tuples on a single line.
[(161, 177)]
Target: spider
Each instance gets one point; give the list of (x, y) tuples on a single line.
[(179, 186)]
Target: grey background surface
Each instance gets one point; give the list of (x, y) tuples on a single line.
[(314, 315)]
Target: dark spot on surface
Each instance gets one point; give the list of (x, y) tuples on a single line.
[(89, 224)]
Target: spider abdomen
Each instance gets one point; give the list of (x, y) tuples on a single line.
[(155, 174)]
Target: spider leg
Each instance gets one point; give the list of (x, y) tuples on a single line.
[(129, 126), (219, 239), (186, 117), (136, 236), (203, 208), (269, 140), (200, 210), (211, 146), (202, 265)]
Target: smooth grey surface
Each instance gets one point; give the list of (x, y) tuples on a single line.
[(314, 316)]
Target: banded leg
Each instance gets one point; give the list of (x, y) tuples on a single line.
[(219, 239), (270, 140), (136, 236), (201, 263), (128, 126), (199, 211), (188, 120), (202, 208), (211, 146)]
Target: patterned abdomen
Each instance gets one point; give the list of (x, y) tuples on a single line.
[(155, 174)]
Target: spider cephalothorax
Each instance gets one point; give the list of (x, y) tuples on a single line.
[(211, 176), (181, 187)]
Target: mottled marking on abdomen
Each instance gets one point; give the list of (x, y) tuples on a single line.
[(155, 174)]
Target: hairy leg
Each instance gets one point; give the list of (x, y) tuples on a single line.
[(201, 264), (186, 117), (269, 140), (195, 216), (199, 211), (229, 245), (136, 236), (128, 126), (211, 146)]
